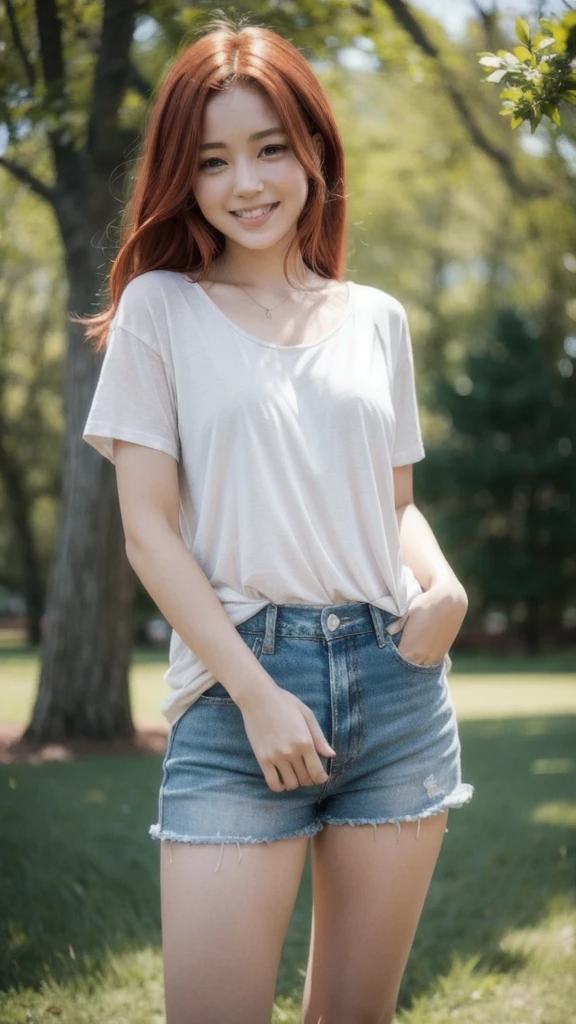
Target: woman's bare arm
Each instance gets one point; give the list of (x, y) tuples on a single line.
[(420, 549), (283, 731), (149, 500), (435, 617)]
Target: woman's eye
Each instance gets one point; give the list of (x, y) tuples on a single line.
[(206, 162), (210, 161), (275, 147)]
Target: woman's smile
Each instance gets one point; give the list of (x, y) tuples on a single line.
[(260, 215)]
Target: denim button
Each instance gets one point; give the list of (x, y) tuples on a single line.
[(333, 622)]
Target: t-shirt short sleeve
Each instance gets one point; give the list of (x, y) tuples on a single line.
[(408, 446), (134, 398)]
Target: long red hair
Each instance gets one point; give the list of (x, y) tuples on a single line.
[(161, 228)]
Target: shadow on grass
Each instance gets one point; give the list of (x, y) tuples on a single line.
[(80, 873)]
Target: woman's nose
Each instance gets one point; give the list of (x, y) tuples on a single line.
[(247, 180)]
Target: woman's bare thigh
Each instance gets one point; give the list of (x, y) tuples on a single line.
[(369, 887), (225, 913)]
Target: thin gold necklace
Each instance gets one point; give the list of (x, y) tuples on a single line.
[(268, 309)]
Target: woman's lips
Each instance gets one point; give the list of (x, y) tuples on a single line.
[(256, 221)]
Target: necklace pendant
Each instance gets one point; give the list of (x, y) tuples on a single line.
[(268, 314)]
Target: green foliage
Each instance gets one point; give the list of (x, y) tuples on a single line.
[(507, 472), (31, 376), (537, 75)]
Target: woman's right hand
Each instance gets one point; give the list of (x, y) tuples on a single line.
[(286, 739)]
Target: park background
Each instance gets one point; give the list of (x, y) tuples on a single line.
[(473, 227)]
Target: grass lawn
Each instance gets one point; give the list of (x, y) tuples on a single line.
[(79, 902)]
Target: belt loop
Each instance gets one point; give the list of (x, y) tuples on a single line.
[(270, 630), (377, 622)]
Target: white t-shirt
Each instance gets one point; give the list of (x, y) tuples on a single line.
[(285, 452)]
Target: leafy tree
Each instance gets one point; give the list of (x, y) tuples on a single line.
[(453, 82), (506, 476), (63, 88), (30, 405)]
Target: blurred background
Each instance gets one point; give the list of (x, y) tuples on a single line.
[(469, 220)]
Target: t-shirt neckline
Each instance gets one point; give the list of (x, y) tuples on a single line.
[(270, 344)]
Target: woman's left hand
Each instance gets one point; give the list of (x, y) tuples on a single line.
[(432, 623)]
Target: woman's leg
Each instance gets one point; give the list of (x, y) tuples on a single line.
[(223, 925), (369, 887)]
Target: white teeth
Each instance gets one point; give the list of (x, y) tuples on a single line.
[(256, 213)]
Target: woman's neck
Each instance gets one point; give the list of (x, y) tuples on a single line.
[(256, 270)]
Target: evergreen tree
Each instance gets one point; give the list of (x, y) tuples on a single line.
[(506, 479)]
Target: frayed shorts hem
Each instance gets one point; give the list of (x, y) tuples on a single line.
[(452, 802), (460, 796), (157, 833)]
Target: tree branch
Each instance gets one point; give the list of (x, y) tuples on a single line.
[(19, 44), (486, 16), (489, 21), (45, 192), (67, 159), (112, 76), (51, 53), (500, 157)]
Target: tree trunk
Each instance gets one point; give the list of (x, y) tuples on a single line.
[(83, 689)]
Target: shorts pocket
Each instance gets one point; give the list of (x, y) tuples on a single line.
[(217, 693), (393, 642)]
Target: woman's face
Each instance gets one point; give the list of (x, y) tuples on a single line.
[(237, 171)]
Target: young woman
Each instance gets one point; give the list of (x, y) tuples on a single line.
[(261, 414)]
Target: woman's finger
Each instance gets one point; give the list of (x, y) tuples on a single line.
[(287, 773)]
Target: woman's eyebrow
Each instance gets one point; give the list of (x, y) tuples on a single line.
[(251, 138)]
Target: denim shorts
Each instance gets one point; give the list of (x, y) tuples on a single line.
[(391, 722)]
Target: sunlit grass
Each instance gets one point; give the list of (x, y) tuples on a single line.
[(79, 904), (482, 688)]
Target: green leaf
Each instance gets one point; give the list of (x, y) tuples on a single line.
[(560, 36), (516, 121), (523, 53), (549, 26), (523, 31), (551, 111), (570, 97), (511, 93)]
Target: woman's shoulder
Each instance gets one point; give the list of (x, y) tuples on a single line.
[(388, 312), (144, 303), (149, 287)]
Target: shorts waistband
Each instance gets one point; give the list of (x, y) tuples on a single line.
[(328, 621)]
